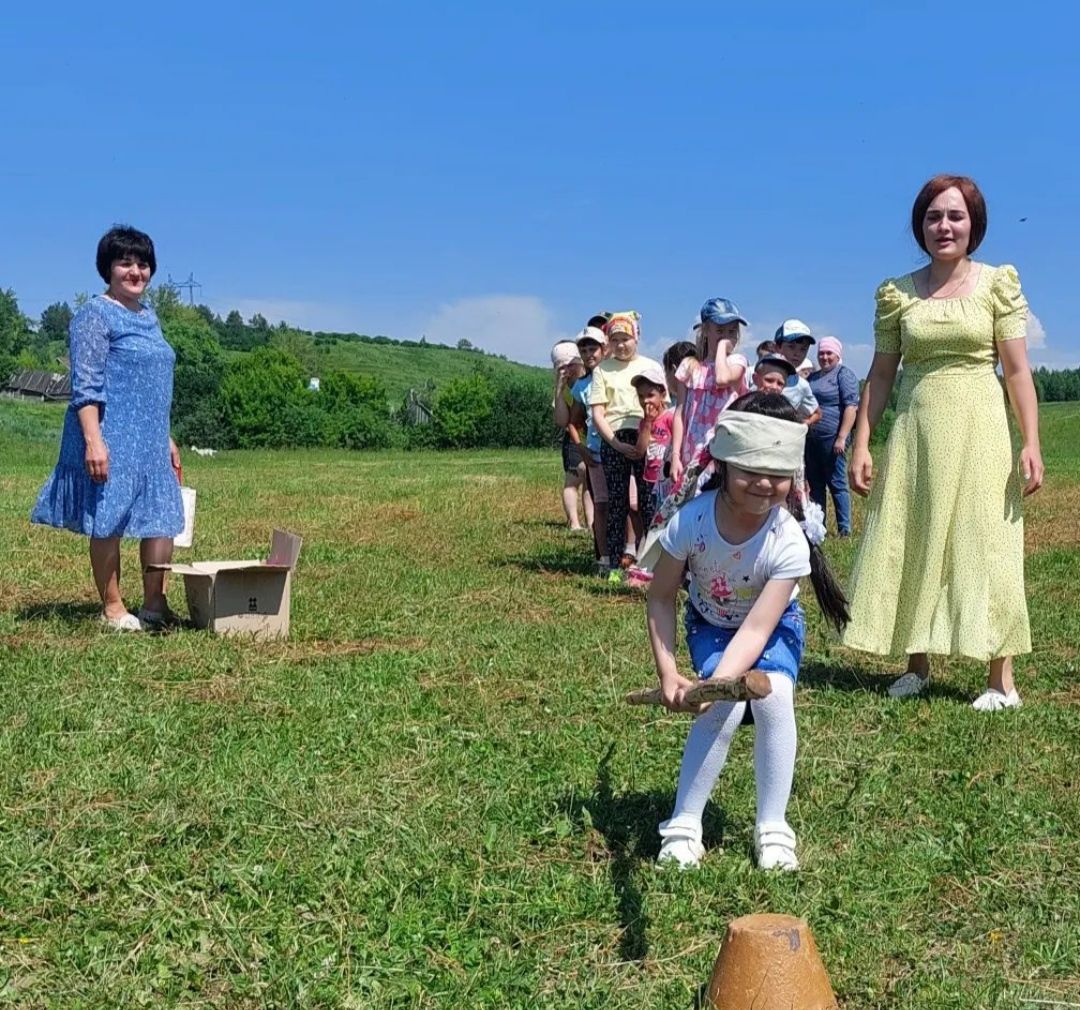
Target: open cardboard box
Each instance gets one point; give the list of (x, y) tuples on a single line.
[(242, 597)]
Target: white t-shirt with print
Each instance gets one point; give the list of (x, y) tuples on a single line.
[(798, 393), (726, 579)]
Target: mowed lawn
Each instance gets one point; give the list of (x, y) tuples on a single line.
[(432, 796)]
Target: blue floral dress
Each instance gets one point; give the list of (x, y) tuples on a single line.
[(121, 361)]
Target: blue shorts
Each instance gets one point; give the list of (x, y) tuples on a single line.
[(783, 651)]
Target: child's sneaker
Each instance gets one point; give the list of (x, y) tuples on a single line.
[(681, 844), (774, 847)]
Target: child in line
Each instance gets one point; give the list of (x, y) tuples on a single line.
[(793, 340), (745, 553), (708, 384), (616, 415), (772, 374), (653, 438), (591, 345), (766, 347), (569, 368)]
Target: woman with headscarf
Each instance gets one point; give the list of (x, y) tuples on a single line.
[(836, 389)]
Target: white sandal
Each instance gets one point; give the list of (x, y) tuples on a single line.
[(909, 685), (774, 847), (129, 622), (993, 700)]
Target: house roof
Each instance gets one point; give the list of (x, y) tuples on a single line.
[(34, 382)]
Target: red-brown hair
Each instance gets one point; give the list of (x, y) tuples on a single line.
[(976, 207)]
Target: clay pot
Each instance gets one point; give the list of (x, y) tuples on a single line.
[(769, 962)]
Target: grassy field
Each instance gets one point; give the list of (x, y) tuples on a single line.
[(400, 368), (431, 795)]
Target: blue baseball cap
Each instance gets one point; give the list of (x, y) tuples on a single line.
[(721, 311), (793, 329)]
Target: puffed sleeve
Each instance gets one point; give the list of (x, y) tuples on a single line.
[(888, 308), (88, 347), (1010, 305)]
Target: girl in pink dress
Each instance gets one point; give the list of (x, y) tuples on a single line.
[(708, 385)]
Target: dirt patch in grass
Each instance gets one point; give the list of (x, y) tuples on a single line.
[(328, 649), (1052, 518)]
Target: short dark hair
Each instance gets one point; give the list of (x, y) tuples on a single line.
[(674, 355), (976, 207), (767, 347), (600, 320), (120, 242)]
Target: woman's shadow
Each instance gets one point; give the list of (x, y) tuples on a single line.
[(628, 825), (59, 610)]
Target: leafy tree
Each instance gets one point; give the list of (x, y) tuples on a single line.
[(522, 411), (463, 412), (258, 322), (14, 333), (357, 407), (300, 345), (260, 394), (465, 345), (197, 414), (164, 300), (55, 321)]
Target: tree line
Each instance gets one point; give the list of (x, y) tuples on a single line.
[(244, 384)]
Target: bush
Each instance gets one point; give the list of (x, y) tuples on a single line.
[(197, 413), (263, 396), (463, 413), (358, 411)]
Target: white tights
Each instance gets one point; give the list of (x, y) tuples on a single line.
[(707, 749)]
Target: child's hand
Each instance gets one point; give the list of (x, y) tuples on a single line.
[(652, 411), (673, 690)]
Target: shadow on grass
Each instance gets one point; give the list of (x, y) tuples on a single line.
[(628, 824), (846, 677), (552, 560), (59, 610)]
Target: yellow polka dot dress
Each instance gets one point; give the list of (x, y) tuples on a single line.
[(941, 565)]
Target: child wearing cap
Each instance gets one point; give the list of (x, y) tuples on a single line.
[(772, 373), (592, 345), (616, 414), (709, 384), (569, 368), (653, 439), (744, 552), (793, 339)]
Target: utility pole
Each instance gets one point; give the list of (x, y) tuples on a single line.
[(190, 284)]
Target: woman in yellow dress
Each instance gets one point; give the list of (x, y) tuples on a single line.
[(941, 565)]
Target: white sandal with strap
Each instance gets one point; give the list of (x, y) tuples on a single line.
[(682, 843), (774, 847), (993, 700)]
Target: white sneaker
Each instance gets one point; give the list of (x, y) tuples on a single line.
[(129, 622), (682, 844), (995, 701), (774, 847), (909, 685)]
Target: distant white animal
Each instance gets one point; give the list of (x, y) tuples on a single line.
[(203, 452)]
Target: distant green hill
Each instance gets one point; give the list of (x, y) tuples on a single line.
[(404, 366)]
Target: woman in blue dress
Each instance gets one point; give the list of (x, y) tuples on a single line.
[(116, 476), (836, 388)]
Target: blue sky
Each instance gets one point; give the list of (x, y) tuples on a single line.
[(499, 172)]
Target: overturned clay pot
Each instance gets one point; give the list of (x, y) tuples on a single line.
[(769, 962)]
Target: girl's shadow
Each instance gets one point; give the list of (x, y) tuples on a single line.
[(628, 826), (840, 676)]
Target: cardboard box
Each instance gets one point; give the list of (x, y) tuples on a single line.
[(242, 597)]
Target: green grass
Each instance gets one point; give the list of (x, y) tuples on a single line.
[(431, 795), (401, 368)]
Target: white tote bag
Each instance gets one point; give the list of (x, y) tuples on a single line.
[(187, 496)]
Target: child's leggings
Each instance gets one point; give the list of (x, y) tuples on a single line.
[(617, 471), (774, 754)]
